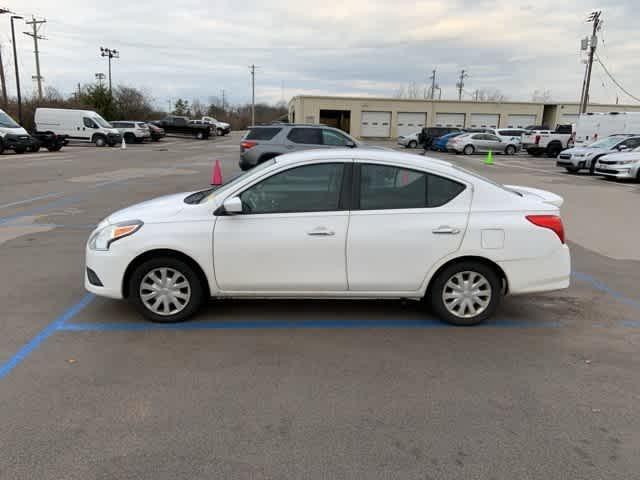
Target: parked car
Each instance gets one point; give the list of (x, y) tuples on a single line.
[(409, 141), (432, 134), (585, 157), (132, 132), (347, 223), (620, 166), (14, 137), (221, 128), (470, 143), (180, 125), (263, 142), (80, 125), (156, 132), (547, 142), (508, 134), (440, 144)]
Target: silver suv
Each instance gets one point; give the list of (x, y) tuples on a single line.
[(263, 142)]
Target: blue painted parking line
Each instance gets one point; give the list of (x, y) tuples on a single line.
[(44, 208), (603, 287), (292, 324), (630, 323), (45, 333), (32, 199)]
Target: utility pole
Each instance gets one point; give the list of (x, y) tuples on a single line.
[(35, 25), (460, 84), (594, 18), (2, 79), (100, 78), (108, 52), (433, 84), (253, 94), (15, 60)]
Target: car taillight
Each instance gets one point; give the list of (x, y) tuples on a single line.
[(537, 139), (247, 144), (552, 222)]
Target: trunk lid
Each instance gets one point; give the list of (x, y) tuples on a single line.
[(542, 195)]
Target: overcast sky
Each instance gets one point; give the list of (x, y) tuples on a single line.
[(195, 48)]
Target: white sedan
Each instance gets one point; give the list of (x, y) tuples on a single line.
[(409, 141), (335, 224)]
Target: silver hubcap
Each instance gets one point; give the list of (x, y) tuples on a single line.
[(466, 294), (165, 291)]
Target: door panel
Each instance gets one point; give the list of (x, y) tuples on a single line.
[(297, 252), (392, 250)]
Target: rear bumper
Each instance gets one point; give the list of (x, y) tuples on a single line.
[(545, 274)]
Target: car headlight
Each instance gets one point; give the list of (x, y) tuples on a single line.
[(104, 237)]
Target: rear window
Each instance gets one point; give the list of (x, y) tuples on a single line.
[(262, 133)]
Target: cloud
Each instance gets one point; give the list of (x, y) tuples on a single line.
[(196, 48)]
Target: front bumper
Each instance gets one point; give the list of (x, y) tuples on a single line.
[(613, 172), (19, 141), (109, 268)]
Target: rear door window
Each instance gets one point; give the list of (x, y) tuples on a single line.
[(329, 137), (307, 136), (266, 133)]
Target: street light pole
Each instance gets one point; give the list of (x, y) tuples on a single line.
[(109, 53), (15, 59)]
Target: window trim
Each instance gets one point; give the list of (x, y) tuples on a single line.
[(357, 176), (344, 196)]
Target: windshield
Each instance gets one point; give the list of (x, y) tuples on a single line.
[(102, 122), (236, 180), (606, 143), (6, 121)]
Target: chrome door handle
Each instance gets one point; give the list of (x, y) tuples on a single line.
[(321, 233), (443, 230)]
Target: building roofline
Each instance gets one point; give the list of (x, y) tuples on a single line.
[(420, 100)]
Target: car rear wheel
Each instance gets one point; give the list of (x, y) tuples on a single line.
[(100, 141), (166, 290), (129, 138), (200, 135), (466, 293), (413, 144), (468, 149), (510, 150)]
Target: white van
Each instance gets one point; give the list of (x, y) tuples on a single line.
[(591, 127), (83, 125)]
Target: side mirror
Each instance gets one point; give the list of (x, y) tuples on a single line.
[(623, 147), (350, 144), (232, 205)]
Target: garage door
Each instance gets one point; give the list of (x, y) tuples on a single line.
[(485, 120), (568, 118), (520, 121), (376, 124), (449, 120), (410, 122)]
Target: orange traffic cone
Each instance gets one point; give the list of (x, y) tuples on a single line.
[(216, 174)]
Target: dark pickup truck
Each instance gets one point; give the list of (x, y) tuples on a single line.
[(174, 124)]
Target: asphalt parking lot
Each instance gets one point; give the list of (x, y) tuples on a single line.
[(281, 389)]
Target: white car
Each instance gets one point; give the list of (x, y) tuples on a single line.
[(132, 132), (513, 135), (621, 166), (409, 141), (344, 223)]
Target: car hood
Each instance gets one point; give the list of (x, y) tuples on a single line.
[(13, 130), (157, 209), (584, 150), (622, 156), (223, 124)]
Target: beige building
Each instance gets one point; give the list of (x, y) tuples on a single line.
[(365, 117)]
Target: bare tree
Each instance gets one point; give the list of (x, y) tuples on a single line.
[(197, 108), (489, 95), (541, 96), (412, 91)]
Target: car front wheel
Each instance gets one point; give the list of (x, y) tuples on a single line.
[(468, 150), (413, 144), (166, 290), (510, 150), (465, 293)]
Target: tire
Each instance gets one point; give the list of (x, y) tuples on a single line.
[(572, 169), (20, 150), (220, 132), (468, 149), (413, 144), (637, 176), (592, 167), (174, 268), (34, 148), (553, 150), (54, 148), (200, 135), (470, 270), (100, 141), (129, 138), (510, 150)]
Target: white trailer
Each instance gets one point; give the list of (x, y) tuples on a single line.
[(591, 127)]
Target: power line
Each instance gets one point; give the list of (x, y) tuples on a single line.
[(614, 80)]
